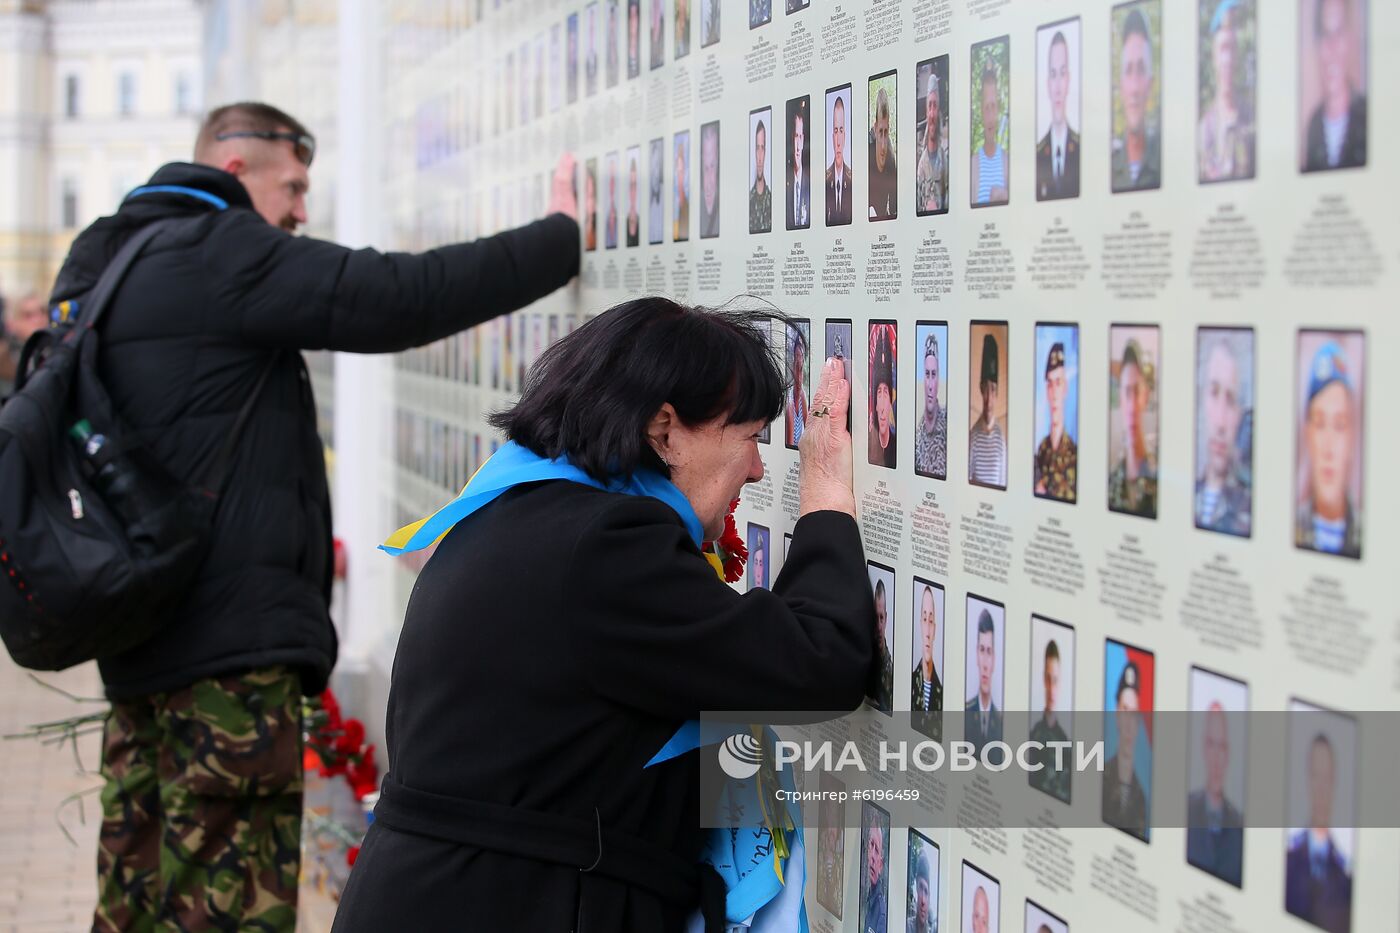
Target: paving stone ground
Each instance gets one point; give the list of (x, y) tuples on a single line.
[(47, 883)]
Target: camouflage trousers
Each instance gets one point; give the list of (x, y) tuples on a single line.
[(201, 812)]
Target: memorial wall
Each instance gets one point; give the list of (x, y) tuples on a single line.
[(1115, 288)]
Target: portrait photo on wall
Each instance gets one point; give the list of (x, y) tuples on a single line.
[(873, 911), (1127, 773), (931, 136), (682, 17), (1320, 862), (657, 31), (760, 170), (1332, 84), (984, 671), (590, 205), (1134, 373), (981, 901), (1226, 48), (921, 879), (571, 59), (556, 67), (1052, 702), (760, 13), (799, 164), (838, 156), (839, 335), (882, 102), (988, 392), (656, 191), (612, 24), (926, 678), (1058, 120), (1056, 464), (882, 585), (591, 30), (1224, 471), (709, 22), (830, 883), (1216, 753), (1331, 421), (709, 180), (1040, 920), (796, 351), (1135, 160), (989, 177), (930, 365), (765, 436), (796, 6), (680, 188), (634, 38), (880, 427), (758, 543), (632, 227), (610, 202)]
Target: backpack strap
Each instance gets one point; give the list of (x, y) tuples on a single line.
[(101, 295), (216, 473)]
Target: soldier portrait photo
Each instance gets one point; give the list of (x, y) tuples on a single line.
[(1056, 466), (931, 158), (1127, 772), (981, 901), (926, 679), (1136, 151), (1133, 421), (930, 365), (1331, 441), (921, 877), (1224, 490), (1215, 778), (1057, 110), (760, 170), (874, 869), (1320, 862), (1052, 701), (882, 585), (984, 672), (830, 883), (881, 170)]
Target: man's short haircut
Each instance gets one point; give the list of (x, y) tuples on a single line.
[(1136, 24), (879, 589), (882, 105), (1052, 652), (761, 129), (838, 103), (243, 117), (1059, 39), (989, 74), (591, 396), (985, 626)]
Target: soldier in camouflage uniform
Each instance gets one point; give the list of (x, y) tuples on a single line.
[(203, 782), (1057, 458), (761, 194), (1132, 483)]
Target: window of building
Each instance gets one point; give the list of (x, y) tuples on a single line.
[(126, 94), (69, 203), (72, 97)]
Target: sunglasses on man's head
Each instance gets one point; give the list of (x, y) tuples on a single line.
[(303, 144)]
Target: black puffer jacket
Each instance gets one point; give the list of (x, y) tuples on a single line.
[(183, 344)]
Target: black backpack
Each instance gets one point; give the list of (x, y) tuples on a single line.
[(99, 544)]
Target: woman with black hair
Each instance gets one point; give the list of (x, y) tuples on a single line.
[(568, 625)]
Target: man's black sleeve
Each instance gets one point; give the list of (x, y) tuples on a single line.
[(309, 294)]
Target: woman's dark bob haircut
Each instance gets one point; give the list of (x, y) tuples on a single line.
[(591, 396)]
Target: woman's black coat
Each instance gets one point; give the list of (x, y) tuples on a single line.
[(552, 645)]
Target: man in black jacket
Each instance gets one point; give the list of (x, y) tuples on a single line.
[(202, 750)]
